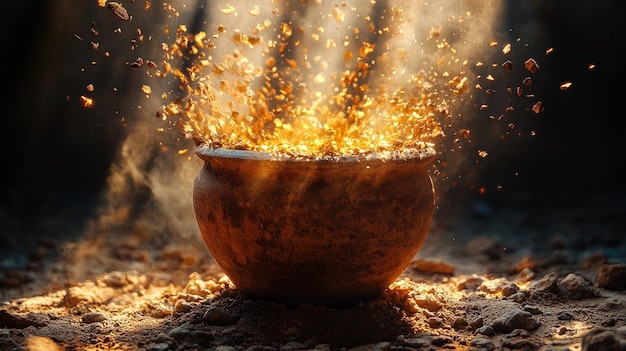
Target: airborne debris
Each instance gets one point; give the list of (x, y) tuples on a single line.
[(146, 89), (118, 10), (86, 101), (94, 32), (506, 49), (137, 63), (508, 66), (291, 93), (228, 9), (531, 65)]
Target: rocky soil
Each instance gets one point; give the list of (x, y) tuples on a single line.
[(524, 274), (522, 277)]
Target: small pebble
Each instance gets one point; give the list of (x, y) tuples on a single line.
[(476, 323), (509, 289), (435, 322), (534, 310), (518, 332), (93, 317), (483, 343), (182, 306), (485, 330), (470, 283), (610, 322), (565, 316), (517, 297), (459, 323), (218, 317), (515, 319), (158, 310), (115, 279)]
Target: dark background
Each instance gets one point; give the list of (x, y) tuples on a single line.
[(56, 155), (575, 155)]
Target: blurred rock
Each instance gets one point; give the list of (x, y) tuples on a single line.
[(612, 276), (602, 339), (576, 287), (484, 247), (546, 284), (432, 266), (594, 260)]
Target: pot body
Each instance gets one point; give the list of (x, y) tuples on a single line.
[(317, 231)]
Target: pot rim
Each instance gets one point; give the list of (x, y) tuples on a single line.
[(206, 150)]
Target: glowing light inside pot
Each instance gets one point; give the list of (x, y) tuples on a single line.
[(324, 79)]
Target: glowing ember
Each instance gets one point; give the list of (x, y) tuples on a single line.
[(86, 101), (342, 80), (295, 103)]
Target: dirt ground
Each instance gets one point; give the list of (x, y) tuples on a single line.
[(521, 277), (525, 273)]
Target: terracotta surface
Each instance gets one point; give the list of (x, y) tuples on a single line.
[(323, 231)]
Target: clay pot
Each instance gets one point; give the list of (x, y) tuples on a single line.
[(317, 231)]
